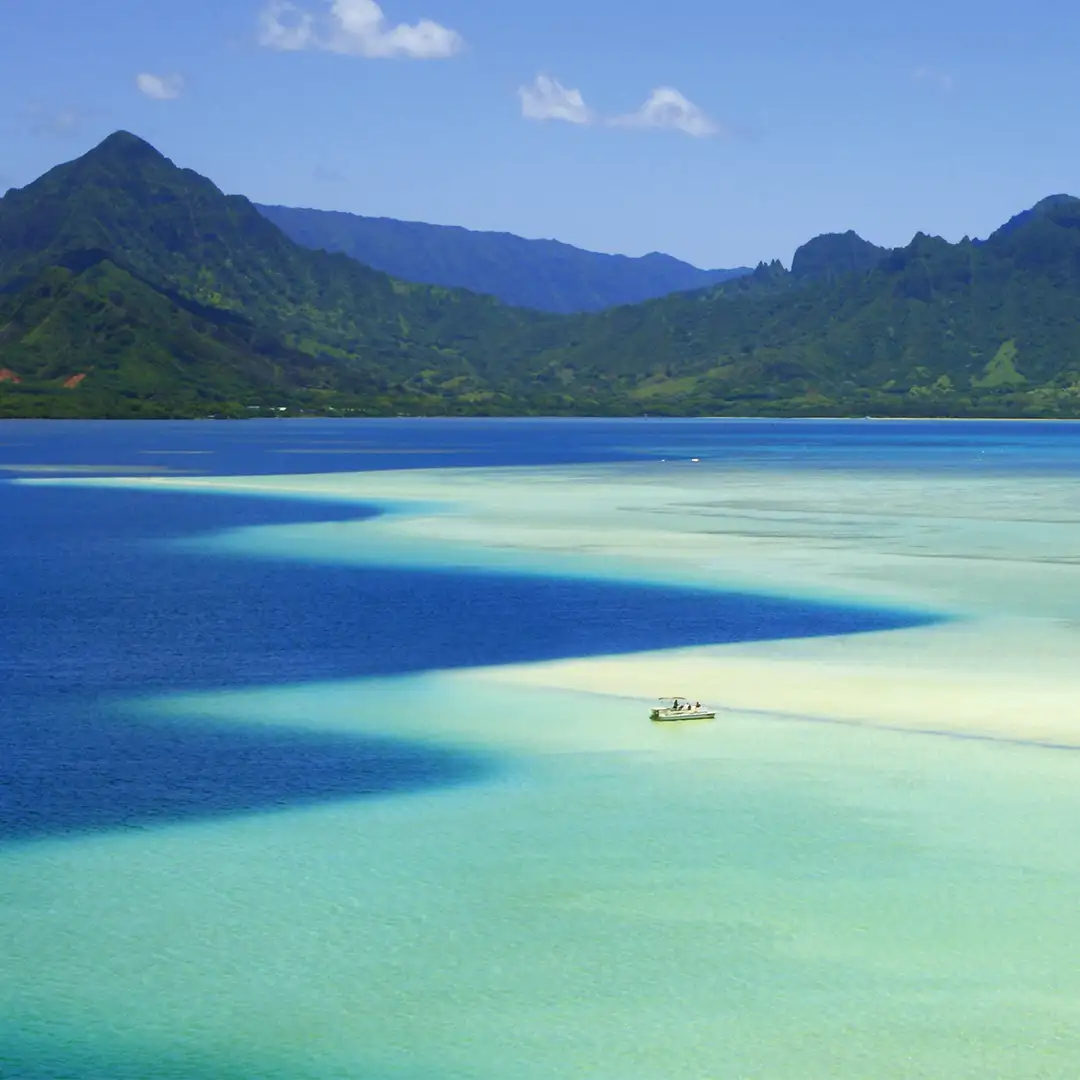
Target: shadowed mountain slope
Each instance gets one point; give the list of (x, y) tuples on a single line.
[(542, 274)]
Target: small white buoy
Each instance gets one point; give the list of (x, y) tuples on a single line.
[(695, 459)]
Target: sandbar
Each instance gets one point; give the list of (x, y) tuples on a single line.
[(997, 556)]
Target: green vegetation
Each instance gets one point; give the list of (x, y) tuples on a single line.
[(129, 287), (1001, 370), (541, 274), (968, 329), (835, 254), (174, 299)]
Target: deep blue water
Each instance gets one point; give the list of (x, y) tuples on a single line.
[(93, 612), (308, 446)]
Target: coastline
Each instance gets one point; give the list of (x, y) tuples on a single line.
[(764, 418)]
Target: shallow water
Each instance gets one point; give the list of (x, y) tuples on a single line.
[(787, 901), (556, 887)]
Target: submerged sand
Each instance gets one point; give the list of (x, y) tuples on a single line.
[(809, 888), (998, 555)]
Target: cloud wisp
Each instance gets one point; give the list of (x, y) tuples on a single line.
[(667, 108), (51, 123), (546, 98), (159, 87), (330, 174), (353, 28), (939, 80)]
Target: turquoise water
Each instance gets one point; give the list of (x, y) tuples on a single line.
[(793, 902), (523, 889)]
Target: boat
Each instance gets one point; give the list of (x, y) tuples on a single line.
[(682, 709)]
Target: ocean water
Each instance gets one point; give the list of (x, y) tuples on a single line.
[(315, 446), (96, 611), (262, 816)]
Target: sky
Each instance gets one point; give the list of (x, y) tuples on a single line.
[(720, 132)]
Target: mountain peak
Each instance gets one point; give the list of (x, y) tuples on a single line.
[(832, 254), (1053, 202), (126, 200), (122, 144), (1061, 209)]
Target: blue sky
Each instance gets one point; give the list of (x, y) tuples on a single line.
[(720, 132)]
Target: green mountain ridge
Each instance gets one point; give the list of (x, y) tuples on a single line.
[(170, 296), (933, 329), (130, 287), (545, 275)]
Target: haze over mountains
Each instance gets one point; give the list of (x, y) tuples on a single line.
[(131, 287), (543, 274)]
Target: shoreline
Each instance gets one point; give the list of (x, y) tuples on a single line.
[(547, 418)]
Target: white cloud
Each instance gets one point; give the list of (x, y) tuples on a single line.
[(354, 28), (667, 108), (938, 79), (547, 99), (160, 87), (283, 26)]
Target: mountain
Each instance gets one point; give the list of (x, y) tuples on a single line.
[(825, 257), (1045, 208), (988, 328), (834, 255), (152, 292), (541, 274), (131, 287)]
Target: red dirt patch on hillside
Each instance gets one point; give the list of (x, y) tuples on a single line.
[(70, 384), (7, 375)]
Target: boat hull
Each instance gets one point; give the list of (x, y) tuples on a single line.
[(662, 716)]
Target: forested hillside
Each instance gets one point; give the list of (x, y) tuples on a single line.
[(131, 287)]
